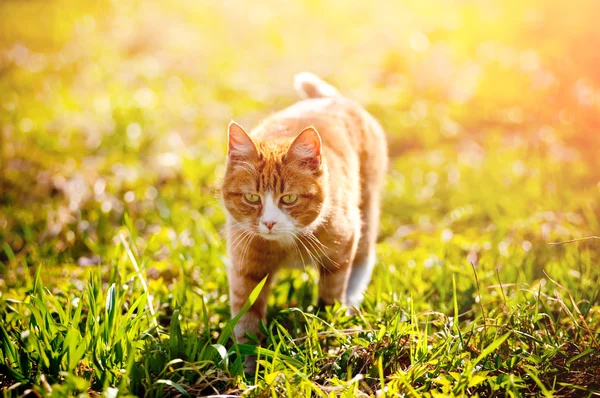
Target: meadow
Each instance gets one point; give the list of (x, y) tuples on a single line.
[(113, 268)]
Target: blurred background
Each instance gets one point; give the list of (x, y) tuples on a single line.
[(113, 115)]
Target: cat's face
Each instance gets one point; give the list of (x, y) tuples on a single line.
[(271, 190)]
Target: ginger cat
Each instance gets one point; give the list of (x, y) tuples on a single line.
[(304, 187)]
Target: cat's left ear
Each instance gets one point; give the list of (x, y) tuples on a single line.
[(306, 149)]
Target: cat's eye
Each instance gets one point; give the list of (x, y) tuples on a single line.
[(289, 199), (252, 198)]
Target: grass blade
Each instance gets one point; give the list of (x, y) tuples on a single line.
[(228, 329)]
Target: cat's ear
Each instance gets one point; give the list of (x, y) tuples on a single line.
[(241, 146), (306, 149)]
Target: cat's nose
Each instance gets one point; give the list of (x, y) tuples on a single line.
[(269, 224)]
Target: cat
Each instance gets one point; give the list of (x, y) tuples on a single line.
[(304, 187)]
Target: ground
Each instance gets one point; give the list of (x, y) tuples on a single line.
[(113, 123)]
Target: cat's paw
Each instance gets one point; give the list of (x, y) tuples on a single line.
[(352, 311), (250, 364)]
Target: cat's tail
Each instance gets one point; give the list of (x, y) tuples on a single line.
[(310, 85)]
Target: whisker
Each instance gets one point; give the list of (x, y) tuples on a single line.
[(238, 239), (322, 248), (320, 261), (311, 255), (298, 249)]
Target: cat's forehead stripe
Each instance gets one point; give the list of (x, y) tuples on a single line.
[(269, 177)]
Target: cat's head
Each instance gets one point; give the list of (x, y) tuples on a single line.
[(274, 190)]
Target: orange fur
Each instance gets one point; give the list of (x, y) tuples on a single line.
[(328, 154)]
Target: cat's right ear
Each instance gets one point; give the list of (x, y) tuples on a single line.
[(241, 146)]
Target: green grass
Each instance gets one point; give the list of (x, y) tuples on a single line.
[(112, 257)]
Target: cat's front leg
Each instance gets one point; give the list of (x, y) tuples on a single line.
[(241, 284), (334, 273), (332, 285)]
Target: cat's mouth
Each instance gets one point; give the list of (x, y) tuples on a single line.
[(272, 235), (280, 237)]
